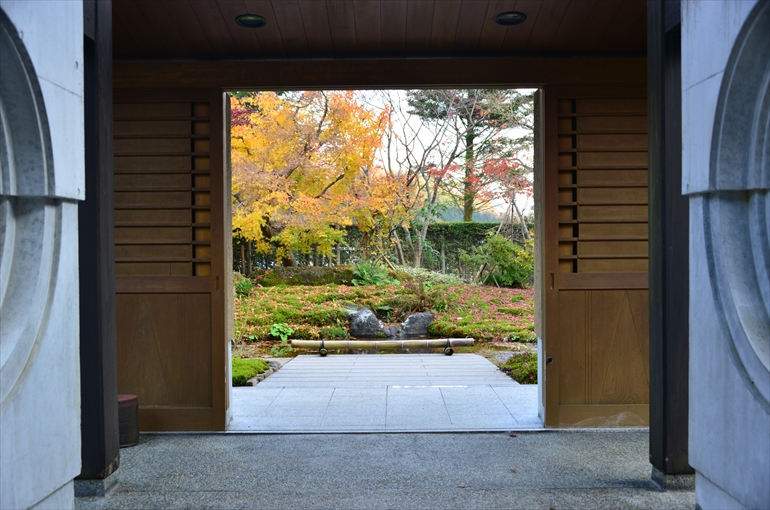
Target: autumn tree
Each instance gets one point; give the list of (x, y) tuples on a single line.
[(302, 168), (421, 156), (479, 122)]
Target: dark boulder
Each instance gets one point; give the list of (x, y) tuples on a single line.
[(364, 324), (416, 325)]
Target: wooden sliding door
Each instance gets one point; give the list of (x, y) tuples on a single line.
[(169, 256), (597, 338)]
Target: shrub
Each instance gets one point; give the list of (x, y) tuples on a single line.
[(502, 262), (515, 265), (243, 287), (522, 368), (245, 369), (414, 297), (367, 273), (424, 275)]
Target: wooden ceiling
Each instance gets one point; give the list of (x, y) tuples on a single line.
[(342, 29)]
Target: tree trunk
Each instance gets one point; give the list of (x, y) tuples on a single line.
[(468, 193), (524, 230), (409, 243), (247, 260), (417, 254), (399, 249), (243, 258), (339, 255), (443, 257), (417, 259)]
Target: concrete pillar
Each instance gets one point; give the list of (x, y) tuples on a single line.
[(41, 89), (726, 174)]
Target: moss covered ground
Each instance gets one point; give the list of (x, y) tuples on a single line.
[(245, 369), (490, 315), (522, 367)]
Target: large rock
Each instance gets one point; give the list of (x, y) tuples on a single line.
[(416, 325), (307, 276), (364, 324)]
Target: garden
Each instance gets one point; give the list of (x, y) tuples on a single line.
[(348, 199), (499, 319)]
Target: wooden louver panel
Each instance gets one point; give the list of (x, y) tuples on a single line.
[(602, 161), (162, 189)]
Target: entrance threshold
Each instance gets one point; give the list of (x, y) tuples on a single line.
[(386, 393)]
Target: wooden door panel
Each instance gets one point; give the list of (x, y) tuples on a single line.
[(169, 255), (597, 332), (573, 343), (164, 353)]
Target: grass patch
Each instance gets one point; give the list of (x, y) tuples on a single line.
[(522, 367), (245, 369), (518, 312)]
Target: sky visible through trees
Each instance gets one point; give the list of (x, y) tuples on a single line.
[(308, 164)]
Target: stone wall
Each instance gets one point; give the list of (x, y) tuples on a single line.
[(726, 178), (42, 181)]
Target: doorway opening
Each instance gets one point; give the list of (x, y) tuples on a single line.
[(390, 203)]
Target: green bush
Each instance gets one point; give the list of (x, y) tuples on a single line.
[(245, 369), (243, 287), (503, 262), (522, 367), (367, 273), (425, 275)]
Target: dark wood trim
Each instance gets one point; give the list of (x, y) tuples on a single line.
[(668, 245), (219, 271), (186, 95), (550, 211), (163, 284), (379, 73), (603, 90), (588, 281), (100, 453)]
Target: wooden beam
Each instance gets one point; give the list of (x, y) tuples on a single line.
[(379, 73), (100, 454), (668, 245)]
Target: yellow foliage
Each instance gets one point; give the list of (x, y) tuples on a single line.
[(302, 168)]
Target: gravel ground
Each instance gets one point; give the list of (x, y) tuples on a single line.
[(565, 469)]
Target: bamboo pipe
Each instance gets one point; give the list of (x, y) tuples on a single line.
[(435, 343)]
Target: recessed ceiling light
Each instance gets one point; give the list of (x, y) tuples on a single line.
[(251, 20), (510, 18)]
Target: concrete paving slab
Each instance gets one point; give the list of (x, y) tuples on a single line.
[(382, 393)]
